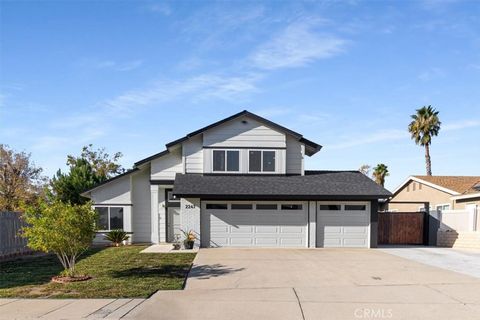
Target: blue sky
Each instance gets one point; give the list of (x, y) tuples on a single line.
[(134, 75)]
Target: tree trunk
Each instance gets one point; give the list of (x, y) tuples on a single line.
[(428, 162)]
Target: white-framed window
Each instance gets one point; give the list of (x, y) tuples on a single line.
[(225, 160), (109, 218), (262, 160)]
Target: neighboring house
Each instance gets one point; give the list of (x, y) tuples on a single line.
[(443, 193), (241, 181)]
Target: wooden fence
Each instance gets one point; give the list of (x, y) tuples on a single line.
[(11, 243), (401, 227)]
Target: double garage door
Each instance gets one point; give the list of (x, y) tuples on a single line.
[(284, 224)]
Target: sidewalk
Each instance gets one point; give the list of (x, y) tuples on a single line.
[(66, 308)]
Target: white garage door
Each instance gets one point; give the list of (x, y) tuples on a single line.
[(256, 224), (344, 224)]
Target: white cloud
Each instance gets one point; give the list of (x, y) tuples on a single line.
[(459, 125), (161, 8), (111, 64), (375, 137), (119, 66), (431, 74), (299, 44), (194, 88)]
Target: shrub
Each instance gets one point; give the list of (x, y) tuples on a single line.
[(61, 228), (116, 236)]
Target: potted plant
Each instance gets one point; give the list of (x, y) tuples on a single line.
[(117, 237), (189, 239), (176, 242)]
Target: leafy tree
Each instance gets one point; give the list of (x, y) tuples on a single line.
[(380, 172), (365, 169), (60, 228), (21, 182), (85, 171), (424, 126), (104, 165), (67, 187)]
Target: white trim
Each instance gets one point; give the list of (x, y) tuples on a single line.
[(226, 160), (442, 205), (466, 196), (430, 184), (275, 171)]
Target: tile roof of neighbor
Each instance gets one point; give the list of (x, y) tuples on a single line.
[(460, 184), (313, 185)]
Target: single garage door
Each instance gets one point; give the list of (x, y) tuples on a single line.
[(255, 224), (344, 224)]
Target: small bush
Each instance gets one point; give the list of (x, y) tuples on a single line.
[(117, 236)]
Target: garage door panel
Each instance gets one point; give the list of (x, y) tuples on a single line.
[(266, 242), (241, 229), (355, 242), (361, 230), (241, 241), (291, 242), (260, 228), (296, 230), (266, 229), (340, 228)]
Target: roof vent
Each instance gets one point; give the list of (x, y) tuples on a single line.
[(477, 186), (244, 121)]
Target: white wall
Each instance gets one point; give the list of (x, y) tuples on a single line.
[(193, 154), (141, 215), (115, 192), (167, 166), (237, 134), (190, 216)]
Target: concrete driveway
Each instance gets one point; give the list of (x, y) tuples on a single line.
[(466, 261), (314, 284)]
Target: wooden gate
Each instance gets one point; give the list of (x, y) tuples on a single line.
[(401, 227)]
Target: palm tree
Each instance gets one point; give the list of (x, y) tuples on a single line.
[(424, 126), (379, 173)]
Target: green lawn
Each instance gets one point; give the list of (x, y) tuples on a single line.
[(121, 272)]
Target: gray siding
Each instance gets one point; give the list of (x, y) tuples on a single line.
[(115, 192), (167, 166), (141, 216), (294, 156), (193, 155), (249, 134)]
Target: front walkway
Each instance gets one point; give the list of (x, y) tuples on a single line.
[(66, 308)]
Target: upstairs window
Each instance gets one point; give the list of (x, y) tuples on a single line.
[(261, 161), (226, 160)]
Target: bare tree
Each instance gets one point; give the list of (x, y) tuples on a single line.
[(365, 169)]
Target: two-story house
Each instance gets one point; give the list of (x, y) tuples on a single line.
[(242, 182)]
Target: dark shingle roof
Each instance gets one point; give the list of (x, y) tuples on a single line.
[(314, 185)]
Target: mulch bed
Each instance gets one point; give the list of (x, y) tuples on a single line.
[(63, 279)]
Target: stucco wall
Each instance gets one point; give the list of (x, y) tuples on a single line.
[(426, 193)]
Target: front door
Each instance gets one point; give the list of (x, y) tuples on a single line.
[(173, 216)]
